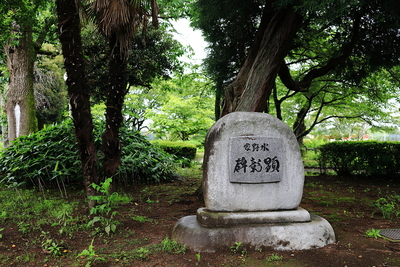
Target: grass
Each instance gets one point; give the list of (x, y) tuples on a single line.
[(274, 257), (46, 228), (141, 219), (332, 198), (30, 210), (49, 221)]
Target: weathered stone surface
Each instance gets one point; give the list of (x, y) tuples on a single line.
[(278, 189), (279, 236), (252, 185), (255, 159), (214, 219)]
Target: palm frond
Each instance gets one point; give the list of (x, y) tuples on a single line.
[(122, 18)]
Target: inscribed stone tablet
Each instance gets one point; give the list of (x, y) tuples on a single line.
[(255, 159), (276, 190)]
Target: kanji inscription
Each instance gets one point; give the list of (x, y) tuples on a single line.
[(255, 159)]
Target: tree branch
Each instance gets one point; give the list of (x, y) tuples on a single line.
[(42, 36), (304, 84), (46, 52), (287, 80), (334, 62)]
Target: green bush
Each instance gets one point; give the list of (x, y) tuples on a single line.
[(183, 151), (361, 157), (42, 156), (51, 156), (142, 161), (313, 142)]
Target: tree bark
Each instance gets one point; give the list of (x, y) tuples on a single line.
[(299, 126), (116, 90), (20, 102), (253, 85), (20, 98), (4, 128), (78, 92)]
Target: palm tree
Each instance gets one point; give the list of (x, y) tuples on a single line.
[(118, 20), (78, 92)]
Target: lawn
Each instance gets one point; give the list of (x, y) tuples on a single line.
[(52, 227)]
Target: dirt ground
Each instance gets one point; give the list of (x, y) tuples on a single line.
[(344, 202)]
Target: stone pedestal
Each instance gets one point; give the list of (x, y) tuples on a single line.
[(253, 183), (315, 233), (208, 218)]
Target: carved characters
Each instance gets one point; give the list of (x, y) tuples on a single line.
[(255, 159)]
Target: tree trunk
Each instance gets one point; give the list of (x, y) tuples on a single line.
[(299, 126), (78, 92), (116, 91), (20, 102), (218, 98), (253, 85), (4, 128)]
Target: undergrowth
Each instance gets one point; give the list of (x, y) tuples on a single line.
[(51, 157)]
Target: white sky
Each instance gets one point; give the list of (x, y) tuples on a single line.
[(187, 36)]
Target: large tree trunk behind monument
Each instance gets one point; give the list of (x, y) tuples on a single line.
[(78, 92), (299, 126), (116, 90), (253, 85), (20, 102)]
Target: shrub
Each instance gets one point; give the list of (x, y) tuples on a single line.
[(42, 156), (142, 161), (361, 157), (51, 156), (183, 151)]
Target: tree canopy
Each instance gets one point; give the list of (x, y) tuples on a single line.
[(24, 25), (186, 109), (301, 41), (155, 55)]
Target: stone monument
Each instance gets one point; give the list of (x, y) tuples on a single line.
[(253, 178)]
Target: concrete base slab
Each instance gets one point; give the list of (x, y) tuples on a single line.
[(279, 236), (212, 219)]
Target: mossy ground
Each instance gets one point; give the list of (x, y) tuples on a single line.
[(46, 229)]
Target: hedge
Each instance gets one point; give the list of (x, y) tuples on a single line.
[(369, 158), (182, 150)]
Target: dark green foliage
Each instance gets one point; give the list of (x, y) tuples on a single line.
[(229, 33), (345, 40), (50, 156), (389, 206), (156, 56), (332, 27), (180, 149), (42, 156), (142, 161), (184, 151), (51, 100), (367, 158)]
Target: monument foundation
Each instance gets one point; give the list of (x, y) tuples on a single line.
[(253, 179)]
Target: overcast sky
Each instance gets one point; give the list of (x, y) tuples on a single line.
[(189, 37)]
